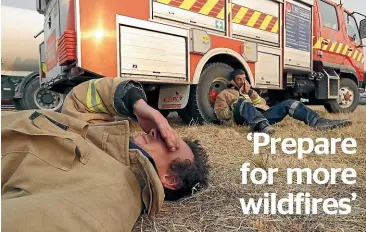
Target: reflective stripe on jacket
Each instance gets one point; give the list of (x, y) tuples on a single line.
[(99, 100)]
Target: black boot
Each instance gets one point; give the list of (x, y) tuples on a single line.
[(328, 124), (264, 127)]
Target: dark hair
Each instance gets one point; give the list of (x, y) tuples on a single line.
[(192, 176), (236, 72)]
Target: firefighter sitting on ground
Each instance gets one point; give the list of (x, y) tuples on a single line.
[(240, 104), (81, 170)]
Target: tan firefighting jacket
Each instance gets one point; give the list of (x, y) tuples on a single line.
[(60, 173), (226, 99)]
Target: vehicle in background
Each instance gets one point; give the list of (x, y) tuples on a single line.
[(20, 61), (363, 95), (183, 51), (363, 98)]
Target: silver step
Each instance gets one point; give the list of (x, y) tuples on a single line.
[(333, 83)]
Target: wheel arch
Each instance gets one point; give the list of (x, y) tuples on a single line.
[(19, 90), (222, 55), (349, 75)]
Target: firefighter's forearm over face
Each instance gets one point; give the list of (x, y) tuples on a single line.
[(103, 99), (246, 89), (150, 119)]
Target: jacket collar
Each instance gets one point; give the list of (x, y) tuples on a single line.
[(132, 145), (113, 138)]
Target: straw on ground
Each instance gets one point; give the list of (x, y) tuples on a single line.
[(218, 207)]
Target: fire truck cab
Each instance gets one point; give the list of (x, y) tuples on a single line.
[(183, 51)]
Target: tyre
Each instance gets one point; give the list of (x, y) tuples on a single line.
[(348, 98), (36, 97), (190, 114), (213, 80), (200, 107), (165, 113)]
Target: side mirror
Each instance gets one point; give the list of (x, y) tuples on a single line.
[(363, 29), (40, 4)]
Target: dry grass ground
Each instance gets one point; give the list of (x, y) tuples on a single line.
[(218, 208)]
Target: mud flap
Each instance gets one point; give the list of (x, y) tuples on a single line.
[(173, 97)]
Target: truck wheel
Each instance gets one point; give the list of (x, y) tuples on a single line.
[(201, 102), (36, 97), (212, 81), (165, 113), (190, 114), (348, 98)]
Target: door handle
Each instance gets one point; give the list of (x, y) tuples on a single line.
[(49, 22), (326, 41)]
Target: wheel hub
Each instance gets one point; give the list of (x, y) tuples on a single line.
[(213, 94), (47, 99), (216, 87), (345, 97)]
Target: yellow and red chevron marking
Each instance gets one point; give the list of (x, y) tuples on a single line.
[(252, 18), (212, 8), (339, 48), (215, 8)]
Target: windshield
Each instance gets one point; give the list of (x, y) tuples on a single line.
[(352, 28)]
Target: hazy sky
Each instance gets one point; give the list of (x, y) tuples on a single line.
[(353, 5), (27, 4), (359, 5), (356, 5)]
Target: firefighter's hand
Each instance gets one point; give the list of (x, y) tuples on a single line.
[(246, 87), (151, 119)]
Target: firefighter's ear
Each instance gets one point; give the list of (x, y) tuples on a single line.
[(170, 182)]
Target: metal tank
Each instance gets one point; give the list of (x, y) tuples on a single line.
[(19, 53), (20, 61)]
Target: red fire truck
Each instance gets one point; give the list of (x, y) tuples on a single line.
[(183, 50)]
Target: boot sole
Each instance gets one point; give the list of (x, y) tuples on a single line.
[(344, 124), (268, 132)]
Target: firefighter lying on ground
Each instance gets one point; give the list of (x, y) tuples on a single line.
[(81, 170), (240, 104)]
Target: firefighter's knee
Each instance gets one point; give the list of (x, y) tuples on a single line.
[(289, 102), (292, 106)]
